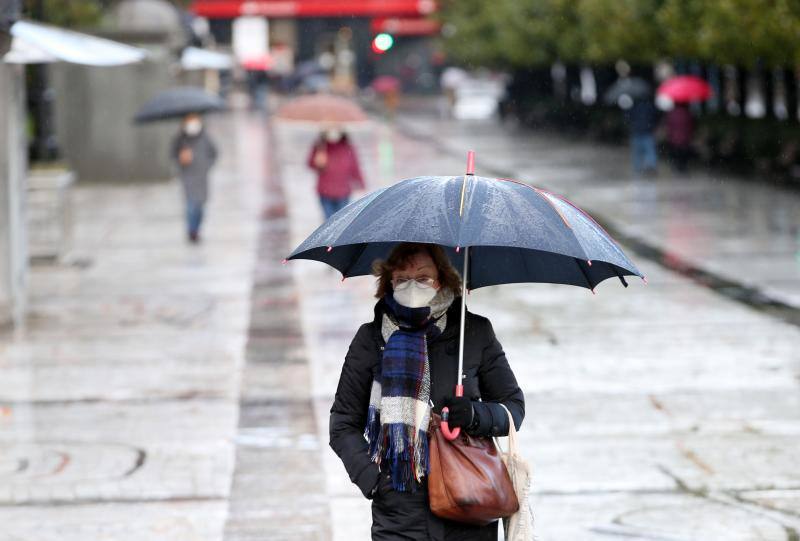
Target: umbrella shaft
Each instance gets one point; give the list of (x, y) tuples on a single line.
[(464, 277)]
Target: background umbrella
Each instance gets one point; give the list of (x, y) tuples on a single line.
[(41, 43), (178, 102), (321, 109), (385, 84), (194, 58), (634, 87), (685, 88), (498, 231)]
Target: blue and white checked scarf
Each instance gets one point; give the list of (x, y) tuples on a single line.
[(399, 405)]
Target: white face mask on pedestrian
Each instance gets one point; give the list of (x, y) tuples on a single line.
[(413, 294), (333, 136), (192, 127)]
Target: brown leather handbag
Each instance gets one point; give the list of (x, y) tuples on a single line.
[(468, 481)]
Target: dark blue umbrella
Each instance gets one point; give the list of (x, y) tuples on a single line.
[(178, 102), (514, 232), (499, 231)]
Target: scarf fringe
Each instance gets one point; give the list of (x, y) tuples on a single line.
[(405, 454), (372, 432)]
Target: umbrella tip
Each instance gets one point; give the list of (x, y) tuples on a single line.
[(344, 278), (594, 292), (285, 261), (644, 280), (330, 248), (458, 249), (470, 162), (589, 262)]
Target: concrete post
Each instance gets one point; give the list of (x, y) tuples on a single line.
[(13, 167)]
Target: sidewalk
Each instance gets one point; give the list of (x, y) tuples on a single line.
[(118, 407)]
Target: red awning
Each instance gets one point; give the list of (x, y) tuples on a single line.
[(398, 26), (226, 9)]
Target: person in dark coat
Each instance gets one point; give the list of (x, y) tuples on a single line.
[(680, 130), (389, 386), (195, 154), (642, 119), (336, 163)]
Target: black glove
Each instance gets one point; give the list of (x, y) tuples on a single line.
[(461, 411)]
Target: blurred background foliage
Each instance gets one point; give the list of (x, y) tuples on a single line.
[(529, 33), (73, 13)]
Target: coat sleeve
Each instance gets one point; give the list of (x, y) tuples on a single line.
[(212, 152), (349, 411), (175, 148), (498, 385), (311, 154)]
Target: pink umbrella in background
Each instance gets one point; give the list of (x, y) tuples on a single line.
[(685, 88), (386, 84), (322, 109)]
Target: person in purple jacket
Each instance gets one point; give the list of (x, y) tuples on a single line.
[(336, 163), (680, 130)]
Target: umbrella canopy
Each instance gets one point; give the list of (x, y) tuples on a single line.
[(386, 84), (635, 87), (194, 58), (178, 102), (514, 232), (322, 109), (35, 43), (685, 88)]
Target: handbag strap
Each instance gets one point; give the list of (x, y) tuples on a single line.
[(512, 433)]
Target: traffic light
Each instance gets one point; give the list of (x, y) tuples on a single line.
[(382, 43)]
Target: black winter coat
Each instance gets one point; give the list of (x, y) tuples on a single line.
[(487, 377)]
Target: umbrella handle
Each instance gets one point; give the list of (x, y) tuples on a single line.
[(450, 434)]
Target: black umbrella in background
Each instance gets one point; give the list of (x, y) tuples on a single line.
[(177, 103), (635, 87)]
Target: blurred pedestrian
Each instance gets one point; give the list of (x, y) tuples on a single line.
[(258, 88), (336, 163), (389, 386), (642, 119), (195, 154), (680, 130)]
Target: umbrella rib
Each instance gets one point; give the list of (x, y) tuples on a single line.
[(354, 260), (541, 193), (583, 271)]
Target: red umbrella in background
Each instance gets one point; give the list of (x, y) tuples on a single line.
[(321, 109), (386, 84), (685, 88)]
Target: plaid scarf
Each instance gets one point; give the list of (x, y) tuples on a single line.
[(399, 406)]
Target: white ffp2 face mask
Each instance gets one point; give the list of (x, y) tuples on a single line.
[(333, 136), (192, 127), (412, 294)]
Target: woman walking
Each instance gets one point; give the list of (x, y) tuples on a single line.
[(195, 154), (402, 366), (336, 163)]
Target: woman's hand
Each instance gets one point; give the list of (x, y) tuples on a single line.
[(461, 411), (185, 156), (320, 158)]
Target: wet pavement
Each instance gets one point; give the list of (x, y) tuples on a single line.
[(171, 392), (119, 404)]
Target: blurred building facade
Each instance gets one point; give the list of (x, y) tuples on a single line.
[(339, 35), (95, 106), (13, 166)]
